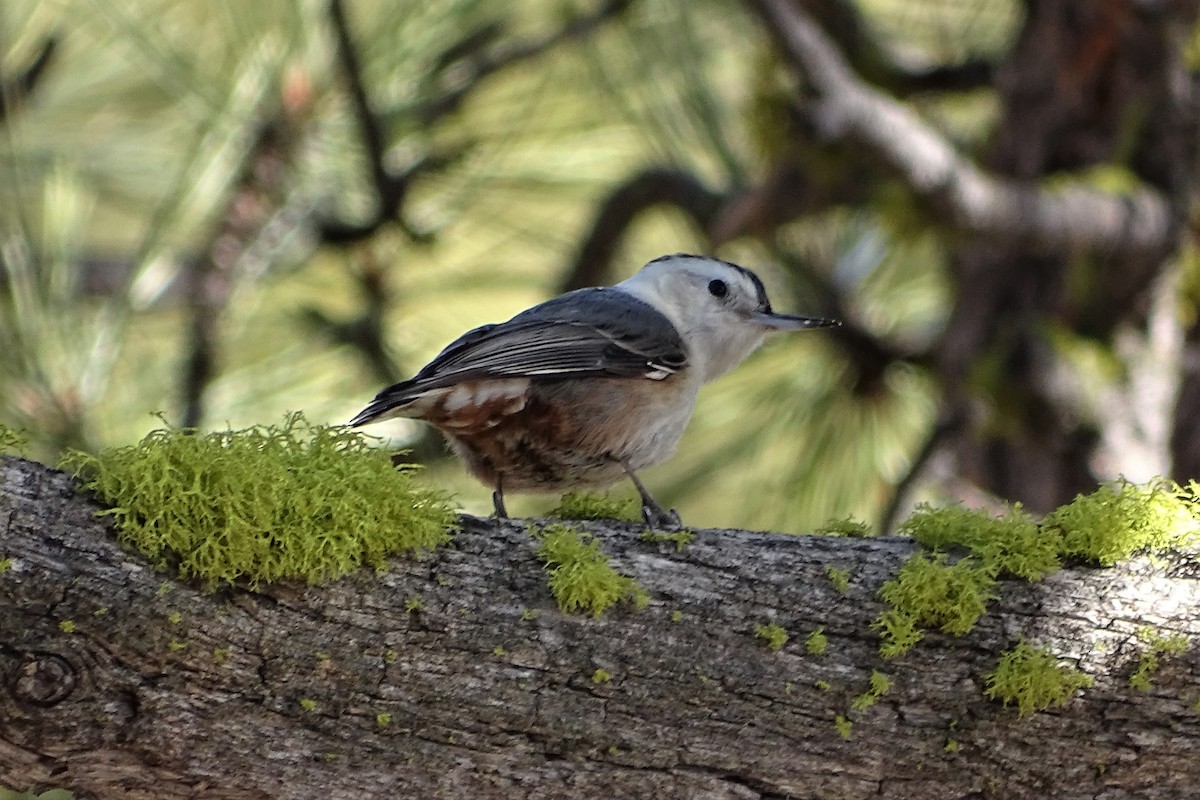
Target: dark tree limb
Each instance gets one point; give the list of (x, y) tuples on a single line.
[(1071, 218), (479, 58), (456, 676), (651, 187), (18, 89)]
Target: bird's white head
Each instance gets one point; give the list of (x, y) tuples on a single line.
[(720, 309)]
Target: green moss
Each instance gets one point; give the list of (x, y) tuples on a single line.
[(1033, 680), (499, 650), (930, 592), (12, 441), (840, 578), (822, 686), (843, 726), (680, 539), (529, 614), (295, 500), (816, 642), (1120, 519), (390, 656), (308, 704), (220, 654), (774, 635), (952, 745), (383, 719), (175, 617), (102, 611), (1012, 544), (677, 616), (593, 505), (1157, 648), (880, 684), (581, 578), (5, 564), (601, 675), (67, 626), (413, 604), (175, 645), (51, 794), (846, 526)]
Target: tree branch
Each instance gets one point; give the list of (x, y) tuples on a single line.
[(1070, 218), (455, 675), (15, 91), (651, 187)]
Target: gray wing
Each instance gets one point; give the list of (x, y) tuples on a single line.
[(585, 333)]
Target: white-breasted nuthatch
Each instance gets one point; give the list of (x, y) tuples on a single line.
[(591, 386)]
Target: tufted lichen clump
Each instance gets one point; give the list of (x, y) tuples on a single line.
[(295, 500), (1120, 519), (1158, 647), (774, 635), (929, 592), (1033, 679), (12, 441), (594, 505), (581, 578), (1012, 544)]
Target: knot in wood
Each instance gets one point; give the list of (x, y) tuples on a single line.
[(42, 680)]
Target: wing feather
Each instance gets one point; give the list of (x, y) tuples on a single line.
[(588, 332)]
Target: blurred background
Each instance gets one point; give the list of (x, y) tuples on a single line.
[(218, 211)]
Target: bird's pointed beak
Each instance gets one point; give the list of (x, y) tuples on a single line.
[(789, 322)]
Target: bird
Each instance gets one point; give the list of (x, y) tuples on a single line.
[(590, 387)]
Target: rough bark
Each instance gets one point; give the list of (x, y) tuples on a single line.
[(159, 690)]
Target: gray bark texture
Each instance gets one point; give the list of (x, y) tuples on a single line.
[(122, 682)]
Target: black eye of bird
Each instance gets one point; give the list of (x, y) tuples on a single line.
[(718, 288)]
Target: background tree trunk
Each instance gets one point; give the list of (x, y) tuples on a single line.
[(121, 681)]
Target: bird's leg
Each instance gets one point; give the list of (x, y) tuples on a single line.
[(654, 514), (498, 499)]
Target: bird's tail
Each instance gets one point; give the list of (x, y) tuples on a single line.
[(389, 403)]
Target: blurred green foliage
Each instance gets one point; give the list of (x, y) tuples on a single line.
[(122, 165)]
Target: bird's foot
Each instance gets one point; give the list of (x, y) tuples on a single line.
[(659, 519)]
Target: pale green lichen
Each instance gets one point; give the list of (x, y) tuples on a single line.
[(601, 675), (295, 500), (879, 686), (1158, 647), (845, 526), (1013, 544), (840, 578), (581, 505), (1120, 519), (1033, 680), (929, 592), (581, 577), (843, 726), (774, 635), (680, 539), (13, 441), (816, 642)]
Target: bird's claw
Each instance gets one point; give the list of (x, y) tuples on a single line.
[(658, 519)]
